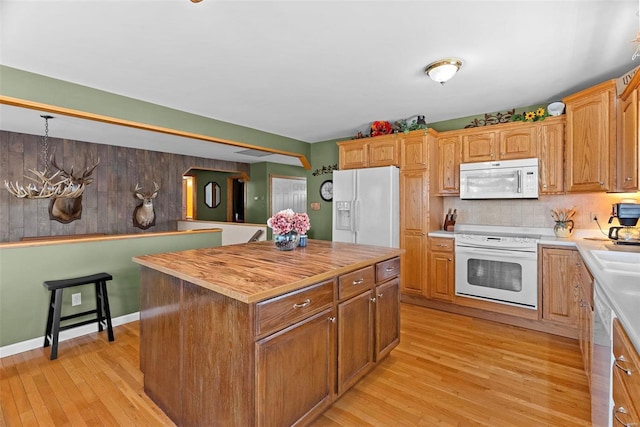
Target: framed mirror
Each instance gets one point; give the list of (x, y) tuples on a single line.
[(212, 194)]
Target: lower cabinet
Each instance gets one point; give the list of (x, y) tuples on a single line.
[(387, 317), (369, 322), (441, 269), (302, 354), (626, 379), (558, 293), (355, 339)]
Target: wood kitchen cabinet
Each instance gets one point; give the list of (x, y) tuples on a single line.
[(551, 155), (627, 144), (441, 269), (583, 285), (413, 151), (414, 205), (590, 138), (304, 352), (558, 288), (449, 155), (506, 142), (479, 146), (369, 319), (421, 212), (387, 307), (369, 152), (626, 379)]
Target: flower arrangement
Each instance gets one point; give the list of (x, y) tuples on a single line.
[(380, 128), (563, 215), (531, 116), (287, 221), (564, 221)]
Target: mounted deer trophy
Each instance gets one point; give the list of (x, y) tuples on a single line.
[(144, 216), (68, 208)]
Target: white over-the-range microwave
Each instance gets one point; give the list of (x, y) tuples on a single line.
[(508, 179)]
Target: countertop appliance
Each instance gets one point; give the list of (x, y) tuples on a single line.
[(366, 206), (627, 214), (508, 179), (498, 267)]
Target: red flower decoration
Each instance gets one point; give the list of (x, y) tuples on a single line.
[(380, 128)]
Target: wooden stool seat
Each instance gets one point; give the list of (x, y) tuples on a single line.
[(55, 308)]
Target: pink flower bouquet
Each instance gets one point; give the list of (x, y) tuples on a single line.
[(287, 220)]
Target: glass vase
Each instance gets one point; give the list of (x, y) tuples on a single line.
[(286, 242)]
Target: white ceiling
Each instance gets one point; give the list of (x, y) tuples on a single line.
[(318, 70)]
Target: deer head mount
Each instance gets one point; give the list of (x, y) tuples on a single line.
[(143, 215), (68, 208)]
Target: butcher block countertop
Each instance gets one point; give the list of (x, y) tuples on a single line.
[(252, 272)]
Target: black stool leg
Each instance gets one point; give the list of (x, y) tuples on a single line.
[(100, 317), (107, 310), (47, 333), (57, 310)]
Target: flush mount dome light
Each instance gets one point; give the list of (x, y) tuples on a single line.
[(444, 69)]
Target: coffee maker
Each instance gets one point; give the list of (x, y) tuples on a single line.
[(627, 214)]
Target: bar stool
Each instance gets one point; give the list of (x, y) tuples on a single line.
[(55, 308)]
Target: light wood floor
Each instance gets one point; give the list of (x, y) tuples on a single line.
[(448, 370)]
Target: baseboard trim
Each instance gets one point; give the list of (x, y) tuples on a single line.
[(19, 347)]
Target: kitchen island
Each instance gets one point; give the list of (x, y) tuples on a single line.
[(248, 335)]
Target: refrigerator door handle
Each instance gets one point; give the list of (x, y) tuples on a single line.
[(356, 209)]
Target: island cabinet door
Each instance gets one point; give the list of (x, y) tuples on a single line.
[(355, 339), (387, 317), (295, 372)]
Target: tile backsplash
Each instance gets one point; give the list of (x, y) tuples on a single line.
[(535, 213)]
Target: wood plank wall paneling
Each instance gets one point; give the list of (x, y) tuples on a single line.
[(108, 203)]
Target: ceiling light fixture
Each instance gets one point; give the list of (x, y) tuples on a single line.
[(443, 70)]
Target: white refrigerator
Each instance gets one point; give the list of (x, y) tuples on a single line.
[(366, 206)]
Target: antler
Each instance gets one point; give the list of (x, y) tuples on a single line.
[(138, 190), (67, 185)]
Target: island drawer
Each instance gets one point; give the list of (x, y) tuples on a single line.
[(279, 312), (387, 269), (355, 282)]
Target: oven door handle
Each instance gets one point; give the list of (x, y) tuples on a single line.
[(511, 253)]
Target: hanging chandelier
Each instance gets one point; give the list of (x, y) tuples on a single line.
[(44, 184)]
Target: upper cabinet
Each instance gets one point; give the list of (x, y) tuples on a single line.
[(627, 161), (413, 151), (551, 155), (512, 141), (449, 165), (479, 146), (590, 138), (369, 152)]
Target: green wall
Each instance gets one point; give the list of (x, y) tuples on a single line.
[(461, 122), (323, 154), (204, 212), (24, 301)]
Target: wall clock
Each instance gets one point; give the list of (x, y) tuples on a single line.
[(326, 190)]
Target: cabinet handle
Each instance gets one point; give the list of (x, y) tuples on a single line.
[(449, 259), (332, 319), (622, 368), (379, 295), (358, 282), (628, 178), (373, 299), (441, 245), (621, 410), (601, 183), (389, 269), (304, 304), (544, 185)]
